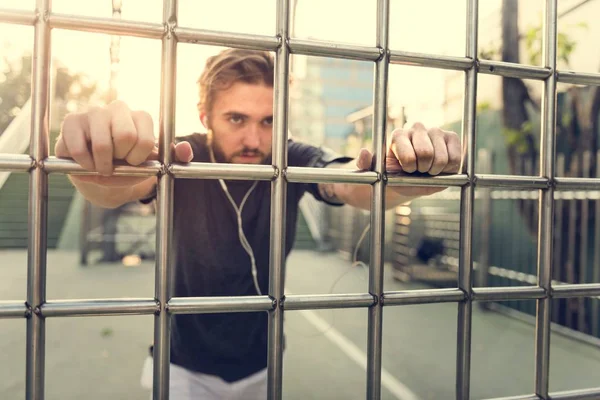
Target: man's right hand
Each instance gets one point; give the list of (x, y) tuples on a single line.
[(94, 139)]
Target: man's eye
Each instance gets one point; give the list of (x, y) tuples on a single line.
[(268, 121), (236, 119)]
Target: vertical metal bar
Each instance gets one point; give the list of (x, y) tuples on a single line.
[(38, 205), (164, 215), (558, 240), (545, 226), (583, 249), (375, 319), (485, 158), (572, 239), (465, 266), (596, 265), (278, 205)]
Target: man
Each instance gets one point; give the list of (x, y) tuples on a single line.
[(216, 356)]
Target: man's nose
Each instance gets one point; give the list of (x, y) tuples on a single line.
[(252, 137)]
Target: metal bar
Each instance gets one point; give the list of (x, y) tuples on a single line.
[(377, 231), (583, 245), (97, 307), (508, 293), (424, 296), (227, 39), (16, 162), (329, 175), (38, 207), (511, 181), (524, 397), (8, 16), (558, 237), (485, 225), (576, 290), (546, 203), (312, 302), (576, 183), (596, 263), (512, 70), (278, 204), (225, 171), (164, 213), (465, 267), (430, 61), (334, 50), (64, 166), (579, 78), (584, 394), (415, 180), (14, 309), (106, 25), (205, 305)]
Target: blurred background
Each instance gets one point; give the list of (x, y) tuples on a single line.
[(97, 253)]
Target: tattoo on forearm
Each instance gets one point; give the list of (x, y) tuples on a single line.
[(327, 192)]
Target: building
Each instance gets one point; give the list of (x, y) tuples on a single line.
[(323, 92)]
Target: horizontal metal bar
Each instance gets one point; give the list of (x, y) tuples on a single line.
[(16, 162), (107, 26), (307, 302), (582, 394), (579, 78), (576, 290), (64, 166), (508, 293), (97, 307), (228, 39), (439, 180), (577, 183), (329, 175), (13, 309), (523, 397), (424, 296), (513, 70), (224, 171), (511, 181), (18, 17), (430, 60), (205, 305), (334, 50)]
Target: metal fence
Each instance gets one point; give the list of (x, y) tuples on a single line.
[(426, 242), (37, 307)]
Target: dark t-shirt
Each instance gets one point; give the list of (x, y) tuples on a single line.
[(210, 261)]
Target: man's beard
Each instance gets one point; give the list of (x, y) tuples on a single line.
[(247, 152)]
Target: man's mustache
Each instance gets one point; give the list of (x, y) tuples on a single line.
[(250, 153)]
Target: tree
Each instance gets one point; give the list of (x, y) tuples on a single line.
[(577, 136), (15, 87)]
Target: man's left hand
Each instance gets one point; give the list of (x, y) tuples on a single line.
[(418, 149)]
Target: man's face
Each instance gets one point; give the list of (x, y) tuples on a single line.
[(241, 119)]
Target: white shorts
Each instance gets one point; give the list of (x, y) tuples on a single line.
[(188, 385)]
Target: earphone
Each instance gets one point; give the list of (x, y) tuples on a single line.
[(238, 211)]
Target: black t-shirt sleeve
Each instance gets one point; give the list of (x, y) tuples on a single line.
[(306, 155)]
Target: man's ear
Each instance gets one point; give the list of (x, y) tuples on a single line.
[(204, 119)]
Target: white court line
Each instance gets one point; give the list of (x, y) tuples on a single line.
[(397, 388)]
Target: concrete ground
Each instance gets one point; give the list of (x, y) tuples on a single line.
[(98, 358)]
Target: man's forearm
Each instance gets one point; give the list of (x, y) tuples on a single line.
[(112, 197), (360, 196)]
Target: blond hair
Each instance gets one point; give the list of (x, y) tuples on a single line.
[(232, 66)]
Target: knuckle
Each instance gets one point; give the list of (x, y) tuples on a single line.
[(102, 147), (418, 126), (125, 136), (146, 144)]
